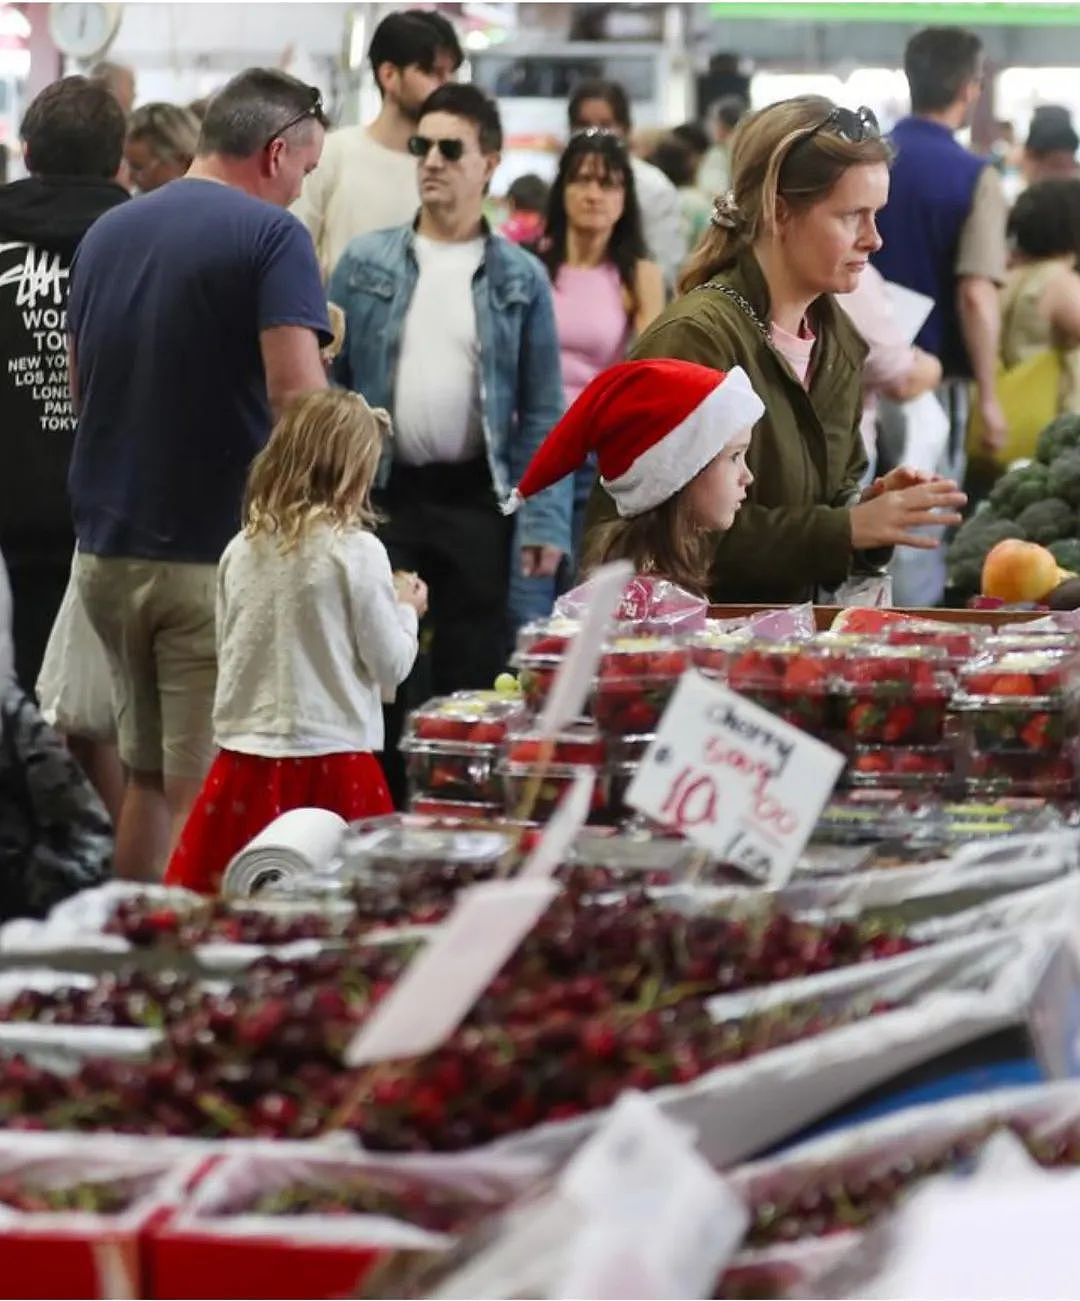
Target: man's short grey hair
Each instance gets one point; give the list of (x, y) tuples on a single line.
[(249, 110)]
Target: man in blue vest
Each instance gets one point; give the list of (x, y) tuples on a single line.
[(944, 235)]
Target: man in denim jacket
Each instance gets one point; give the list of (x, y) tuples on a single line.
[(451, 328)]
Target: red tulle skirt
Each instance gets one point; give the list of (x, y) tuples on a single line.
[(243, 793)]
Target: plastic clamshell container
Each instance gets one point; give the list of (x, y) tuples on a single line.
[(1001, 677), (580, 743), (634, 683), (1051, 776), (533, 790), (477, 720), (907, 767), (895, 695), (540, 649), (711, 651)]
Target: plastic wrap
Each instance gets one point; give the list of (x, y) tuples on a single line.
[(648, 604)]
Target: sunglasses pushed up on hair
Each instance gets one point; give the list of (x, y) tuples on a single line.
[(314, 110), (451, 148), (851, 124)]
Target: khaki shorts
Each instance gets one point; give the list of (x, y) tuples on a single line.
[(155, 619)]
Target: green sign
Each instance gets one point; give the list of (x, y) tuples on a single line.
[(1028, 14)]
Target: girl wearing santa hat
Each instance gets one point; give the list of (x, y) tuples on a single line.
[(670, 439)]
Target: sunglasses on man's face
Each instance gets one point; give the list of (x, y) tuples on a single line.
[(314, 110), (450, 148)]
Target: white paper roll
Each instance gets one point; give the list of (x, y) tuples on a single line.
[(298, 845)]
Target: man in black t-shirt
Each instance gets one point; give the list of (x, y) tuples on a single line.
[(196, 313), (74, 137)]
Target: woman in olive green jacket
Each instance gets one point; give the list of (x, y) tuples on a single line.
[(798, 227)]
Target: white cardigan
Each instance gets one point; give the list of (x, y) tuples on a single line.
[(310, 642)]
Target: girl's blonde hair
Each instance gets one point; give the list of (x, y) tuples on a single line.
[(319, 464), (665, 541), (766, 167)]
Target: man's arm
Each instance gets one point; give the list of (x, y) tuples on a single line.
[(545, 518), (981, 260), (980, 321), (292, 363)]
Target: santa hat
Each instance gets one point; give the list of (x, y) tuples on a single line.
[(653, 426)]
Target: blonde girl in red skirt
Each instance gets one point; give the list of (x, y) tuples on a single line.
[(314, 632)]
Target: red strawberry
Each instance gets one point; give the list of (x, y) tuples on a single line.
[(804, 674), (899, 723), (875, 761), (1013, 684), (436, 727), (487, 732), (637, 717), (864, 719), (1034, 733), (524, 751)]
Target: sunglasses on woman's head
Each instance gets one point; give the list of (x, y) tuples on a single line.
[(450, 148), (598, 133), (852, 125)]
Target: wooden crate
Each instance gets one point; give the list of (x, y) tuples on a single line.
[(825, 614)]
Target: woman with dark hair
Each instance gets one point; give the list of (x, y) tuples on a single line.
[(606, 291), (797, 228), (1040, 304)]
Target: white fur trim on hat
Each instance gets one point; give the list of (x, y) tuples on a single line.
[(672, 462)]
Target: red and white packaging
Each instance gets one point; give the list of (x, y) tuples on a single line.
[(75, 1253), (211, 1248)]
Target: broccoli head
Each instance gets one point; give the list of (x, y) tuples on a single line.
[(1063, 477), (1048, 520), (970, 545), (1067, 554), (1060, 435), (1018, 489)]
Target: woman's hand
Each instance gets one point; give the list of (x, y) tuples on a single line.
[(889, 518), (904, 476)]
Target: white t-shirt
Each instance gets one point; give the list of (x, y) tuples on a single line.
[(310, 643), (437, 415), (358, 186)]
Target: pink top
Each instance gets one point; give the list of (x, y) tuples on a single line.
[(796, 349), (891, 355), (590, 316)]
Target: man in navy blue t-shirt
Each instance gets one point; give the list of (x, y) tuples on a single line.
[(195, 314)]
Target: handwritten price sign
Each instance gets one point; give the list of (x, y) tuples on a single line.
[(734, 778)]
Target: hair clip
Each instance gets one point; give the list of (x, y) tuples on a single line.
[(725, 211)]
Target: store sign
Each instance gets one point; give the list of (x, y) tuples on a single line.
[(736, 779), (656, 1220)]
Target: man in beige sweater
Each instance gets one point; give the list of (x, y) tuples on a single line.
[(366, 179)]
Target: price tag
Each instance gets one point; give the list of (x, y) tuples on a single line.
[(441, 984), (1054, 1013), (566, 699), (562, 828), (658, 1221), (734, 778)]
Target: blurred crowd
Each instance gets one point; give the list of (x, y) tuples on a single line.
[(175, 279)]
